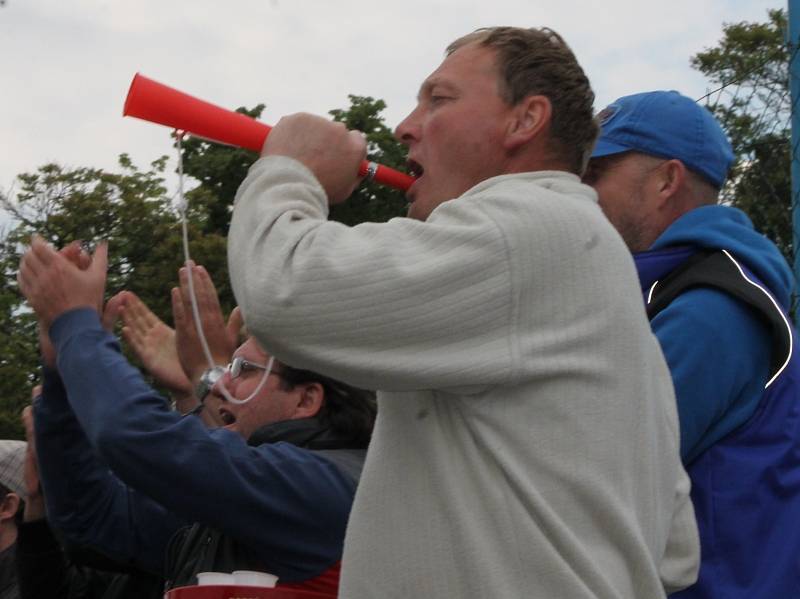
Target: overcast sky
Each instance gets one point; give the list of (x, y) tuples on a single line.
[(65, 66)]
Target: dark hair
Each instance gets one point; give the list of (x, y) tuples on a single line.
[(539, 62), (347, 410)]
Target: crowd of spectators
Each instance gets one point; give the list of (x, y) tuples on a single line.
[(527, 437)]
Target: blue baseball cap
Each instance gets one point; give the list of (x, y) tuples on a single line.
[(668, 125)]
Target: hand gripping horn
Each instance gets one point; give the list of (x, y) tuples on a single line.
[(158, 103)]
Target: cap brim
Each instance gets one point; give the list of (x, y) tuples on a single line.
[(603, 147)]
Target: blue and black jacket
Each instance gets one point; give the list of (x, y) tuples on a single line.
[(736, 375)]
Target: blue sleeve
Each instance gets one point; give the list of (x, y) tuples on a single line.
[(287, 504), (84, 499), (718, 351)]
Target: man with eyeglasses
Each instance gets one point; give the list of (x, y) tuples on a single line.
[(717, 292), (270, 491)]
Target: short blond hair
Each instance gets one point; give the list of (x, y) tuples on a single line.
[(538, 61)]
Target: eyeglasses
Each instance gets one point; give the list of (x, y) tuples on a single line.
[(239, 366)]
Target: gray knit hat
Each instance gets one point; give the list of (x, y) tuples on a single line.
[(12, 464)]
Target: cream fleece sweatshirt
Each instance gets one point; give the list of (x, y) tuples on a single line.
[(527, 436)]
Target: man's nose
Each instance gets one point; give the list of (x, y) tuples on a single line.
[(408, 129), (225, 383)]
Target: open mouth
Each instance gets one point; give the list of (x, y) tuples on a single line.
[(226, 416), (414, 169)]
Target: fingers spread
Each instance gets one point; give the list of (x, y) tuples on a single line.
[(137, 315)]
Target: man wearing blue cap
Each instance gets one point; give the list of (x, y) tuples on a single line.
[(717, 293)]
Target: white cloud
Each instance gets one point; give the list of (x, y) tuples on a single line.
[(67, 65)]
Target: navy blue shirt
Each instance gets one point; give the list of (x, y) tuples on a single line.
[(122, 472)]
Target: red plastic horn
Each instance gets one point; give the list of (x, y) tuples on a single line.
[(158, 103)]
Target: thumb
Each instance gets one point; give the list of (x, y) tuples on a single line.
[(112, 311), (72, 252), (97, 274), (235, 323), (100, 259), (27, 422)]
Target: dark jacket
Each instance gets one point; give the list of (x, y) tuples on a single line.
[(9, 588), (46, 571), (100, 424), (201, 548)]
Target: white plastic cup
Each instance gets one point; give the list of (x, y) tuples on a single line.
[(209, 578), (254, 579)]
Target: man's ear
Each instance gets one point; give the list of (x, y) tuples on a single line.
[(312, 396), (669, 183), (530, 116), (9, 507)]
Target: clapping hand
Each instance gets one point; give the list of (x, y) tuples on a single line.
[(154, 342), (221, 337), (53, 284)]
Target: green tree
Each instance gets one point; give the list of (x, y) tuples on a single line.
[(18, 360), (749, 67), (220, 169), (131, 211), (371, 202)]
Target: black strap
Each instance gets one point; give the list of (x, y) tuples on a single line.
[(713, 268)]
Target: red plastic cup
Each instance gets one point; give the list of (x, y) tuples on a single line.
[(214, 591)]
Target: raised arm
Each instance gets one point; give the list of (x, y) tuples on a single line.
[(85, 500)]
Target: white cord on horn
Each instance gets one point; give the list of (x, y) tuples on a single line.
[(195, 310)]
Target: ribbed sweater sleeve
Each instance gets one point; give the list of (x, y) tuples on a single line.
[(397, 306)]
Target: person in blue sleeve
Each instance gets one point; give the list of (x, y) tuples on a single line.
[(270, 491), (658, 167)]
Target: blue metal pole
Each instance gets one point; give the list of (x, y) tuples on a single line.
[(794, 88)]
